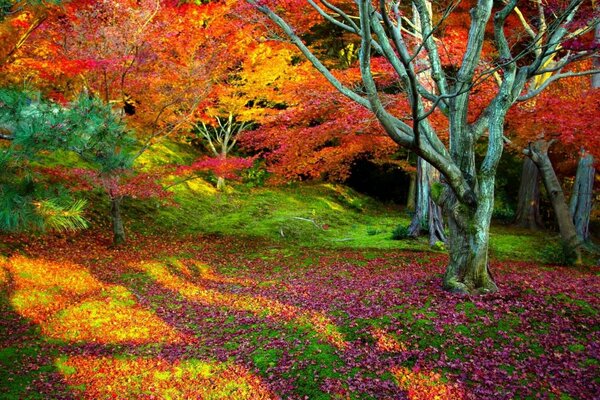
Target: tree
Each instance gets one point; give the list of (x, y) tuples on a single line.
[(221, 139), (34, 128), (467, 194), (564, 113), (580, 205), (153, 62), (528, 202)]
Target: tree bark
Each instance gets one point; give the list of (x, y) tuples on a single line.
[(422, 200), (538, 152), (220, 183), (528, 208), (427, 212), (117, 220), (596, 77), (412, 192), (580, 205), (468, 243)]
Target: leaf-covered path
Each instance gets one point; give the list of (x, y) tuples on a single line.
[(216, 317)]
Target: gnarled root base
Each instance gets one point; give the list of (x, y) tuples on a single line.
[(453, 285)]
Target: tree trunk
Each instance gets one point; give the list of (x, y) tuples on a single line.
[(538, 152), (220, 183), (528, 208), (436, 219), (468, 243), (596, 77), (412, 192), (117, 220), (422, 200), (427, 212), (581, 198)]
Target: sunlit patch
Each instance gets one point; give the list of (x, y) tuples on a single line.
[(70, 304), (111, 319), (201, 186), (206, 272), (144, 378), (41, 288), (426, 385), (259, 305), (386, 342), (3, 273)]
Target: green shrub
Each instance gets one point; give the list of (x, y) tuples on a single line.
[(400, 233), (504, 214), (255, 176), (558, 253), (373, 231), (439, 246)]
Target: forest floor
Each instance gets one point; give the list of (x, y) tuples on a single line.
[(223, 317), (295, 291)]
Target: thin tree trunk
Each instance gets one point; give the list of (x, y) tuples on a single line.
[(596, 77), (422, 200), (436, 219), (220, 183), (412, 192), (117, 220), (538, 152), (528, 208), (427, 212), (580, 205)]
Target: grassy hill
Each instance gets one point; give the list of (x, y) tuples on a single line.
[(307, 214)]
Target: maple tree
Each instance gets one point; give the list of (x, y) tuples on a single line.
[(564, 113), (155, 61), (468, 193), (221, 140)]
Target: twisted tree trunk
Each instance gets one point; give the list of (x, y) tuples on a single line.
[(468, 242), (528, 208)]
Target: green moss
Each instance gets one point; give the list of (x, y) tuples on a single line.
[(265, 359), (576, 348)]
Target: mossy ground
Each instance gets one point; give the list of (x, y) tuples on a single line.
[(296, 291)]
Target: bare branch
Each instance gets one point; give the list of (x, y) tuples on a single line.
[(534, 92), (308, 54)]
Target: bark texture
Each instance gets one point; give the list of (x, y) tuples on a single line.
[(580, 205), (117, 220), (528, 208), (538, 152), (412, 192), (220, 183), (468, 243), (427, 213)]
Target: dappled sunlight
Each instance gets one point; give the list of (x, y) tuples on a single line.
[(68, 303), (255, 304), (201, 186), (157, 378), (3, 272), (386, 342), (426, 385), (200, 270)]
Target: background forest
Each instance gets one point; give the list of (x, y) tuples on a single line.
[(299, 199)]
